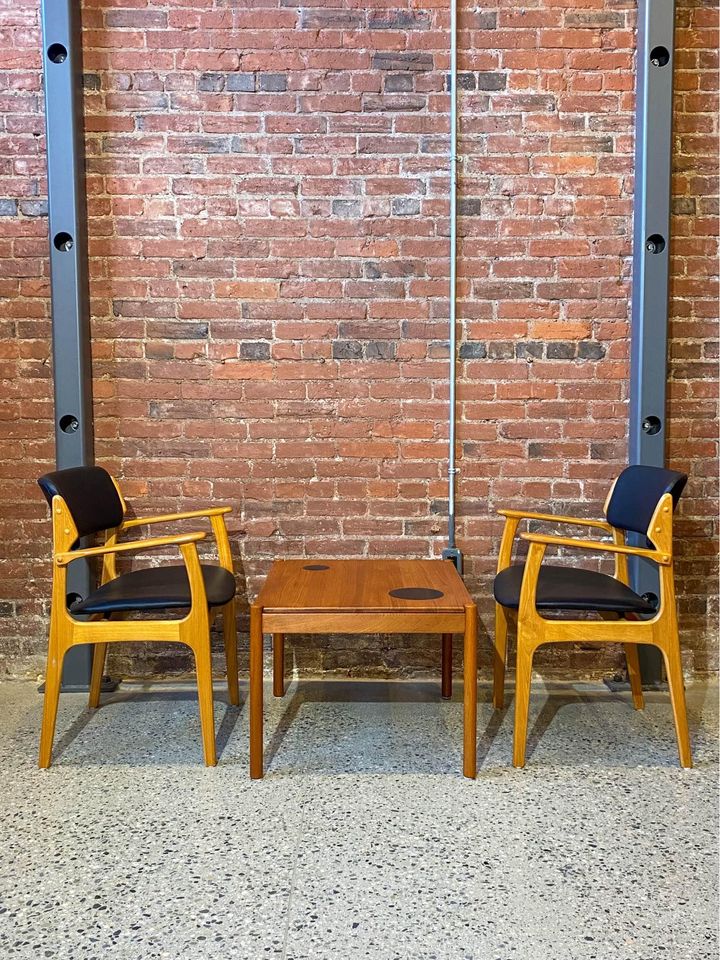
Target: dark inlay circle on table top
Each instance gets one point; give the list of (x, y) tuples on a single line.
[(416, 593), (316, 566)]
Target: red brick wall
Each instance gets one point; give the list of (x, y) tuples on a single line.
[(268, 240)]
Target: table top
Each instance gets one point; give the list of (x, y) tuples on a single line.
[(364, 586)]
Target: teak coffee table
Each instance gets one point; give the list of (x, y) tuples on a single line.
[(362, 596)]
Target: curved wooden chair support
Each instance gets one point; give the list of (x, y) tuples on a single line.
[(108, 611), (629, 627)]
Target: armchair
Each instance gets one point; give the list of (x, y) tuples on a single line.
[(641, 501), (86, 501)]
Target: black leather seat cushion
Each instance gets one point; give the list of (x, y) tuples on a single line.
[(570, 588), (157, 588)]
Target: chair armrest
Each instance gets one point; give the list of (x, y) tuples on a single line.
[(170, 517), (61, 559), (655, 555), (555, 518)]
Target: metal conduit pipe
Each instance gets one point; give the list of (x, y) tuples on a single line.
[(451, 552)]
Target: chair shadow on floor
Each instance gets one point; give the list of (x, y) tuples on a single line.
[(646, 744), (192, 753)]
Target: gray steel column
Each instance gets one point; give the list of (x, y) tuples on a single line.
[(452, 551), (651, 254), (62, 60)]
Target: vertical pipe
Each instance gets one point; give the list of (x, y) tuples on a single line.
[(651, 260), (68, 267), (452, 552)]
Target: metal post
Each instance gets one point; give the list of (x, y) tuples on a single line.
[(451, 552), (62, 60), (651, 254)]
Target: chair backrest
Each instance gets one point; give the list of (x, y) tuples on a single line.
[(636, 494), (90, 495)]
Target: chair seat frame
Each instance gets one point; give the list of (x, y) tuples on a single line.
[(192, 630), (533, 630)]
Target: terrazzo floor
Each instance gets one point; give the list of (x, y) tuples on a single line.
[(363, 840)]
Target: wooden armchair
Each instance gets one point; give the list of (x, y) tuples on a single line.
[(641, 501), (87, 501)]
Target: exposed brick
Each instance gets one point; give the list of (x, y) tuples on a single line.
[(347, 350), (469, 206), (332, 19), (272, 82), (255, 351), (399, 20), (473, 351), (591, 350), (240, 82), (267, 219), (529, 350), (380, 350), (465, 81), (399, 83), (405, 206), (559, 350), (402, 61), (347, 208), (491, 81), (33, 208), (211, 82)]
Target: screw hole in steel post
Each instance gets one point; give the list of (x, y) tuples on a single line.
[(63, 242), (651, 425), (652, 599), (69, 423), (655, 243), (71, 599), (659, 56), (57, 53)]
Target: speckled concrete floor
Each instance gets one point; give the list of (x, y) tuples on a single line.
[(363, 841)]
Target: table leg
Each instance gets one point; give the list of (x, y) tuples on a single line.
[(256, 693), (446, 675), (470, 693), (278, 664)]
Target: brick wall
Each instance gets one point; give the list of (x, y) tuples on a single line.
[(268, 241)]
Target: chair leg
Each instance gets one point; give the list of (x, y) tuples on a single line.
[(278, 664), (633, 668), (470, 693), (499, 656), (446, 668), (53, 678), (523, 675), (673, 666), (256, 693), (98, 671), (231, 656), (203, 667)]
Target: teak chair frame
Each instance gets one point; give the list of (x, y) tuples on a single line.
[(193, 630), (533, 630)]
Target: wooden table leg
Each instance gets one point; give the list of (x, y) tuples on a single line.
[(446, 675), (470, 693), (256, 693), (278, 664)]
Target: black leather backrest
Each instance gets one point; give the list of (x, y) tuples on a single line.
[(90, 495), (638, 491)]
